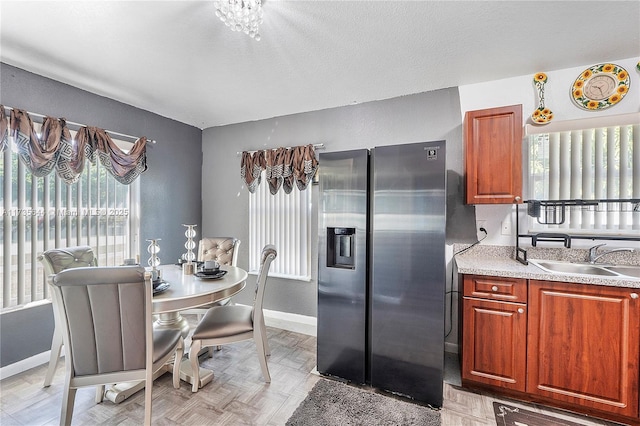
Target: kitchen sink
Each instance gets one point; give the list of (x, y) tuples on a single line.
[(560, 267), (631, 271)]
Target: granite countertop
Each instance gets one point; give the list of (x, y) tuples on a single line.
[(500, 261)]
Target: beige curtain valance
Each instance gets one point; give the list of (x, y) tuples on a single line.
[(55, 148), (285, 167)]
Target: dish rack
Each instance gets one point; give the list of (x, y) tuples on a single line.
[(554, 212)]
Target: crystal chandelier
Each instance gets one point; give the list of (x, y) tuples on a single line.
[(240, 15)]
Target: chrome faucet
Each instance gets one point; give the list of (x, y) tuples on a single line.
[(594, 256)]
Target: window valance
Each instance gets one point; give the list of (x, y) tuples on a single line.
[(55, 148), (285, 167)]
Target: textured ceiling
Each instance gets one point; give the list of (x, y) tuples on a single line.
[(175, 58)]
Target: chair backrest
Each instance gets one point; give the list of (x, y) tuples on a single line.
[(224, 250), (107, 318), (59, 259), (269, 253)]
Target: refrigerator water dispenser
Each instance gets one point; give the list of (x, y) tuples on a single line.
[(341, 248)]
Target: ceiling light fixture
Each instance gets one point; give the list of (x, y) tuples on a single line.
[(240, 15)]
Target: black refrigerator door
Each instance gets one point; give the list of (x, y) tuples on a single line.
[(342, 269), (408, 270)]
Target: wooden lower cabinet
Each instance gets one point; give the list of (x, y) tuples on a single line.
[(496, 348), (576, 346), (584, 345)]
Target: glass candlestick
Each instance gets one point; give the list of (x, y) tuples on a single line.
[(153, 250), (154, 260), (189, 256)]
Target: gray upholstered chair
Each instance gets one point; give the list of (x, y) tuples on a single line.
[(54, 261), (223, 250), (108, 331), (235, 323)]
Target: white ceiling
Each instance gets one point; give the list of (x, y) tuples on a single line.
[(175, 58)]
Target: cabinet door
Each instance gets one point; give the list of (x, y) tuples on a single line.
[(494, 343), (493, 153), (584, 345)]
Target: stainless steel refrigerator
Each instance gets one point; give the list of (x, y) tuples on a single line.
[(381, 271)]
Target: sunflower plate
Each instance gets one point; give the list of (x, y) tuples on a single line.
[(600, 86)]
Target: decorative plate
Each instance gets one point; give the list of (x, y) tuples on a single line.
[(210, 276), (600, 86)]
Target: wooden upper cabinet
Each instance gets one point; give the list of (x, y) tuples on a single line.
[(584, 345), (493, 153)]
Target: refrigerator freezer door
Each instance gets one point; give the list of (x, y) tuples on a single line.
[(408, 270), (342, 269)]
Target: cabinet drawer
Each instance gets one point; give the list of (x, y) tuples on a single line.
[(496, 288)]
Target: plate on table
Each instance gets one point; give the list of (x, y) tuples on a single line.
[(212, 275), (195, 262), (160, 288)]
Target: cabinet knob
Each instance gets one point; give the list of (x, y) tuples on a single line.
[(634, 295), (518, 198), (521, 310), (495, 288)]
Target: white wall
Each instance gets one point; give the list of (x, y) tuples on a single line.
[(521, 90)]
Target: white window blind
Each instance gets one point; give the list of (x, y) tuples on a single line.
[(41, 213), (591, 164), (283, 220)]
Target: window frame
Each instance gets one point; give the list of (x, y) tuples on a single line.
[(581, 172), (52, 206)]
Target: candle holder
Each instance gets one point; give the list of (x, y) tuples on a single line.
[(189, 268), (154, 260)]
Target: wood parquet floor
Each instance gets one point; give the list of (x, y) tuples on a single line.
[(237, 395)]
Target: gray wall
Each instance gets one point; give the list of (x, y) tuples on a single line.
[(415, 118), (170, 188), (177, 190)]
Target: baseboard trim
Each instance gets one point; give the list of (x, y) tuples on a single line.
[(292, 322), (451, 347), (24, 365)]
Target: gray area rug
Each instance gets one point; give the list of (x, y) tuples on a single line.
[(332, 403)]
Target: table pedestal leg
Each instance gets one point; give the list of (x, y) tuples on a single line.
[(121, 391)]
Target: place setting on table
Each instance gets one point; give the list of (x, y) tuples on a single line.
[(210, 270), (159, 285), (205, 270)]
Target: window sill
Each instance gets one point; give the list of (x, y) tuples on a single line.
[(284, 277)]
